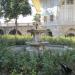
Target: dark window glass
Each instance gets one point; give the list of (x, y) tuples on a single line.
[(45, 18), (51, 17), (70, 1)]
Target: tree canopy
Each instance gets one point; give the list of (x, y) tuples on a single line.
[(13, 8), (0, 9)]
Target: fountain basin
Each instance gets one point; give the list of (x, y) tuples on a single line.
[(37, 44)]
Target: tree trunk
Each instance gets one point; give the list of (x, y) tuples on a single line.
[(16, 25)]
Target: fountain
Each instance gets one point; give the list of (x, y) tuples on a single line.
[(36, 44)]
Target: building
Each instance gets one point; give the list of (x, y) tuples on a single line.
[(58, 16)]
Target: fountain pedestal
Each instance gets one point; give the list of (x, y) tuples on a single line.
[(36, 44), (36, 34)]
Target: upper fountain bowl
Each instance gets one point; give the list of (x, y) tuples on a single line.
[(36, 31)]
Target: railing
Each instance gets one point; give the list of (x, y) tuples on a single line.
[(13, 24)]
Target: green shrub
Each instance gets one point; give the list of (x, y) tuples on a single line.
[(11, 40), (68, 41), (27, 63)]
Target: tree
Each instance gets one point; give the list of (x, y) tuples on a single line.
[(13, 8), (0, 9)]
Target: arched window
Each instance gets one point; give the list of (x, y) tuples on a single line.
[(70, 34), (13, 32)]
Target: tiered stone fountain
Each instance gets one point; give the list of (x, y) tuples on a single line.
[(36, 44)]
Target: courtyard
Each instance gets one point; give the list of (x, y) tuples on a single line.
[(37, 37), (16, 58)]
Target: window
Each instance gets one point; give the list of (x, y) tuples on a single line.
[(70, 1), (45, 18), (51, 17)]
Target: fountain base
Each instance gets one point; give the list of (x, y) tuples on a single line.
[(38, 47)]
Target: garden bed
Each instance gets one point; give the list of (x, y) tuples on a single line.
[(25, 63)]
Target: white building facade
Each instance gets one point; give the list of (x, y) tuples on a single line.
[(58, 16)]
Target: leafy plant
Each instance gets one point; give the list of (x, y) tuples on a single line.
[(26, 63)]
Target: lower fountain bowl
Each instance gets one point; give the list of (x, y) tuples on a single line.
[(37, 43)]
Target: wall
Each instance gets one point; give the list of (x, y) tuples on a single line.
[(65, 16)]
